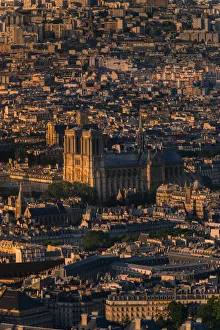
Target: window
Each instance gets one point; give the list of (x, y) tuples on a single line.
[(93, 146), (78, 149), (77, 161), (97, 146), (86, 147), (78, 174)]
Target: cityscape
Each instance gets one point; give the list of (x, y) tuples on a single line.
[(110, 164)]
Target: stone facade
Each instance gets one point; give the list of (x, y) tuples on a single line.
[(144, 306), (85, 160)]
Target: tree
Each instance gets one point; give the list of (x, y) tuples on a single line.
[(58, 190), (165, 324), (22, 154), (164, 233), (177, 313), (64, 189), (93, 240), (210, 314)]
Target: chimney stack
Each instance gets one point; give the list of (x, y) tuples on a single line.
[(188, 325), (84, 319), (199, 320), (95, 313), (138, 324)]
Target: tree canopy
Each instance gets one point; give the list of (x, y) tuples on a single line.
[(210, 314), (164, 233), (177, 315), (64, 189), (93, 240)]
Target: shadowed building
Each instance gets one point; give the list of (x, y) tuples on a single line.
[(48, 215), (18, 308)]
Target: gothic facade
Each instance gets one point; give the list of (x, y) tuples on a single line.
[(85, 160), (55, 133)]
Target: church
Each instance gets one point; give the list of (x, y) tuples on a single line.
[(87, 161)]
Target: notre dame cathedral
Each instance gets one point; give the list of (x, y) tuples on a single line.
[(85, 160)]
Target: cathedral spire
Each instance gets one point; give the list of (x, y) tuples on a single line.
[(140, 137), (90, 26), (20, 203), (140, 127), (20, 194)]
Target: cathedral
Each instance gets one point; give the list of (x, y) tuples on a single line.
[(87, 161)]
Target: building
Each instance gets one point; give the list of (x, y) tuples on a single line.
[(193, 325), (8, 326), (135, 305), (30, 253), (139, 324), (86, 161), (192, 198), (210, 168), (90, 268), (63, 235), (55, 133), (48, 215), (68, 307), (157, 3), (95, 322), (82, 117), (14, 272), (18, 308)]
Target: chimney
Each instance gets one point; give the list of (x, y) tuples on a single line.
[(20, 327), (137, 324), (95, 313), (188, 325), (84, 319), (199, 320)]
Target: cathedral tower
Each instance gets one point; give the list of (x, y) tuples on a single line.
[(84, 157), (82, 117)]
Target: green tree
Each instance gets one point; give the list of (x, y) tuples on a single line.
[(22, 154), (164, 233), (210, 314), (93, 240), (64, 189), (58, 190), (165, 324), (177, 313)]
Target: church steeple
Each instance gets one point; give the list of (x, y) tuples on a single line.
[(140, 137), (20, 203), (140, 127), (90, 27)]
